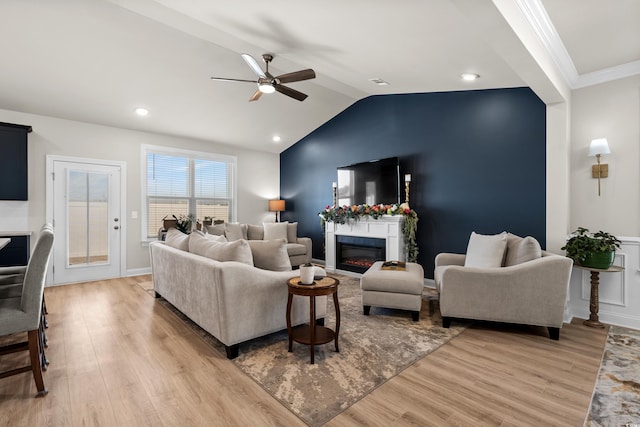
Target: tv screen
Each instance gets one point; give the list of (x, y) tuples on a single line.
[(374, 182), (13, 162)]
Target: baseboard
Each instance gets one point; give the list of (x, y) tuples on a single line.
[(138, 271), (608, 318)]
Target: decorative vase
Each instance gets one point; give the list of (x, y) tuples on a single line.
[(601, 260), (306, 274)]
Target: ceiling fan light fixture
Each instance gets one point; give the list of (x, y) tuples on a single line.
[(266, 88)]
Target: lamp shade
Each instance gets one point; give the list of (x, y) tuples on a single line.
[(276, 205), (599, 146)]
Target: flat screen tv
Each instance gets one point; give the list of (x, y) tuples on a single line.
[(373, 182), (13, 162)]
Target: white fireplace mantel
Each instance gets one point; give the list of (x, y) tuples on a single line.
[(388, 227)]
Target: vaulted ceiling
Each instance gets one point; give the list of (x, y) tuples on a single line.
[(97, 60)]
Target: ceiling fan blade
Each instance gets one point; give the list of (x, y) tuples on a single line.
[(297, 76), (253, 64), (224, 79), (255, 96), (291, 92)]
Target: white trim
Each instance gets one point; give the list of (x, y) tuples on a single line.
[(539, 20), (50, 159), (138, 271)]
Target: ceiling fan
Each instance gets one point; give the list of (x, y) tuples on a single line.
[(268, 83)]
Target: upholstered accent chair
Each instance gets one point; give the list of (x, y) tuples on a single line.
[(527, 286), (23, 313)]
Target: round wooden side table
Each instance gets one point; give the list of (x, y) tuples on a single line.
[(594, 301), (313, 334)]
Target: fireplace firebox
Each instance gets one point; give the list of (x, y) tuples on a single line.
[(357, 254)]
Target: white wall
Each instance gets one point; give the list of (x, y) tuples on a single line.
[(610, 110), (258, 172)]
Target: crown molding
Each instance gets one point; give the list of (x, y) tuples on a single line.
[(539, 20)]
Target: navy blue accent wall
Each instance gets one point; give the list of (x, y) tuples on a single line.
[(477, 160)]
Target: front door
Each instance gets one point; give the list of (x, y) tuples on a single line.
[(87, 219)]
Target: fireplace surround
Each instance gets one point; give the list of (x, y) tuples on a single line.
[(387, 229)]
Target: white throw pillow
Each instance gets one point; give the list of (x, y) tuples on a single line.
[(270, 254), (255, 232), (527, 249), (486, 251), (292, 232), (275, 230), (177, 239), (235, 231), (238, 250)]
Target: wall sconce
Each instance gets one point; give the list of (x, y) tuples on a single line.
[(597, 148), (407, 181), (334, 185), (276, 206)]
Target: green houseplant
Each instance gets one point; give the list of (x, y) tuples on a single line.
[(595, 250)]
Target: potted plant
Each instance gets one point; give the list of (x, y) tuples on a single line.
[(595, 250), (185, 223)]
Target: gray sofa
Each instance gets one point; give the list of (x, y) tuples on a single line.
[(233, 301), (298, 248), (533, 292)]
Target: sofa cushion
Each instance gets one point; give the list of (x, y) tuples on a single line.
[(522, 250), (294, 249), (216, 229), (292, 232), (237, 250), (275, 230), (177, 239), (486, 251), (270, 254), (255, 232), (235, 231)]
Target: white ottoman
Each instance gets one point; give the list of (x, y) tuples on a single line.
[(400, 289)]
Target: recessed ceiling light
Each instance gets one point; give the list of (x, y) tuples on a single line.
[(276, 138), (469, 77), (379, 82), (141, 111)]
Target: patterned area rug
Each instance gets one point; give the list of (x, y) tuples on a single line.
[(616, 397), (373, 349)]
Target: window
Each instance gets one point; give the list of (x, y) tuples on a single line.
[(178, 182)]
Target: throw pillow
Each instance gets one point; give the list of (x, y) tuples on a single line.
[(485, 251), (235, 231), (292, 232), (275, 230), (238, 250), (270, 254), (177, 239), (527, 249), (216, 229), (255, 232)]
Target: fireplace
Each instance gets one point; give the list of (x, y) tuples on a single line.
[(357, 254), (385, 231)]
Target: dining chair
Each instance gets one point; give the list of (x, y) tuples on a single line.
[(23, 313)]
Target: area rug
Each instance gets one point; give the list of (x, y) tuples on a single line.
[(616, 397), (373, 349)]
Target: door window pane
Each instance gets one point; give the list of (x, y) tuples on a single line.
[(88, 217)]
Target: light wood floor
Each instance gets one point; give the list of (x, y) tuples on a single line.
[(120, 359)]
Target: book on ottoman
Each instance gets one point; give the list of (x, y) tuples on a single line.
[(394, 265)]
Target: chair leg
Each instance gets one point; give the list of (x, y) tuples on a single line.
[(446, 322), (34, 354), (554, 333)]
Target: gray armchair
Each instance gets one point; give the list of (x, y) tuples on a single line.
[(23, 313), (531, 293)]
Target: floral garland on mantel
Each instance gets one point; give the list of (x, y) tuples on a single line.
[(342, 214)]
